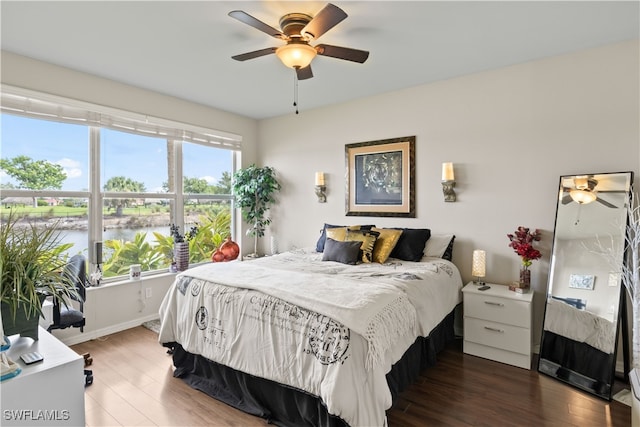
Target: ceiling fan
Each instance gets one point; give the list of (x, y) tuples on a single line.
[(584, 191), (298, 30)]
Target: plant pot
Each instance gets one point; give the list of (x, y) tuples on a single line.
[(181, 255), (22, 324)]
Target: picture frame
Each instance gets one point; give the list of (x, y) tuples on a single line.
[(582, 281), (380, 178)]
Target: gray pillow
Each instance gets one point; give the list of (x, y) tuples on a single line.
[(345, 252)]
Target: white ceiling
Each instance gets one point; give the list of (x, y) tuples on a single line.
[(184, 48)]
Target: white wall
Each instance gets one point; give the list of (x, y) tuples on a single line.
[(118, 306), (509, 132)]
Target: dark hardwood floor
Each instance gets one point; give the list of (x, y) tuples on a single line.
[(133, 385)]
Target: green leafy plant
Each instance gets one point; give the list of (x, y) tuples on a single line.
[(31, 261), (254, 189)]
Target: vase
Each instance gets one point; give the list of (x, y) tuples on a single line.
[(218, 256), (525, 277), (181, 255), (229, 249)]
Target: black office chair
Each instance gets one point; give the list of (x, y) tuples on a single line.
[(68, 316)]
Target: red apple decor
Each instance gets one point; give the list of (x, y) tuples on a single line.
[(228, 251)]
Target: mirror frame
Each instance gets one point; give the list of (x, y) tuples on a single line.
[(574, 362)]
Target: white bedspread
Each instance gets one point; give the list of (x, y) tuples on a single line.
[(330, 329)]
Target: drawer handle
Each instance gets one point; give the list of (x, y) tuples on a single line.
[(494, 303), (494, 329)]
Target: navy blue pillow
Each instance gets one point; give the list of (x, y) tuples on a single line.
[(410, 246), (347, 252)]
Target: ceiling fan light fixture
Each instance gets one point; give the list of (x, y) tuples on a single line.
[(582, 197), (296, 55)]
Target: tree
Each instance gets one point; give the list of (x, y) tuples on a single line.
[(122, 184), (34, 174), (224, 184), (194, 185), (254, 189)]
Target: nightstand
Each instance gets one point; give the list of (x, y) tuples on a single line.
[(497, 324)]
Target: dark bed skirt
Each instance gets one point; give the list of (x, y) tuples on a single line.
[(286, 406), (577, 363)]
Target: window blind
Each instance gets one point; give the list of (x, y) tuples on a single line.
[(50, 107)]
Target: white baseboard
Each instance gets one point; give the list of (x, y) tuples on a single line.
[(112, 329)]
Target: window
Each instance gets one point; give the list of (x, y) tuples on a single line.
[(112, 176)]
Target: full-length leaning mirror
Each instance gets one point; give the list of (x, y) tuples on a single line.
[(584, 295)]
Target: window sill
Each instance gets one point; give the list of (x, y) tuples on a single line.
[(124, 282)]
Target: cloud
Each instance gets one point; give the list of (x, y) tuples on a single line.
[(209, 179), (71, 167)]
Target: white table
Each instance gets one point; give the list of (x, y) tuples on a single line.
[(47, 393)]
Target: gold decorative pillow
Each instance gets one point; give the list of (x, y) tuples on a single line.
[(385, 243), (337, 233), (340, 233), (368, 239)]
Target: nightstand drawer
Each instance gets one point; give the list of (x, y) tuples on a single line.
[(498, 309), (498, 335)]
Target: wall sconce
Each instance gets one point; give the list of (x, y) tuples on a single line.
[(448, 182), (478, 266), (321, 188)]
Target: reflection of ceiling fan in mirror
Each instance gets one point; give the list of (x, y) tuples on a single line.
[(584, 191)]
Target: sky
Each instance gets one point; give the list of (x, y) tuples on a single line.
[(140, 158)]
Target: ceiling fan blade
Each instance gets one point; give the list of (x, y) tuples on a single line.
[(326, 19), (254, 54), (257, 24), (607, 204), (304, 73), (346, 53), (566, 199)]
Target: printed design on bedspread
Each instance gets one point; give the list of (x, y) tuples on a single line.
[(183, 283), (329, 340), (196, 286), (444, 267), (202, 318)]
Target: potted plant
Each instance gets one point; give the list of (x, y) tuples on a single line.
[(181, 246), (31, 262), (254, 189)]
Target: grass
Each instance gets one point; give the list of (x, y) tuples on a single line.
[(66, 211)]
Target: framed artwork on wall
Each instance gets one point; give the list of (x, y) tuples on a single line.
[(581, 281), (380, 178)]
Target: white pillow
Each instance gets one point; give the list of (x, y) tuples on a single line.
[(437, 244)]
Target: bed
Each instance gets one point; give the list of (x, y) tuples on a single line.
[(299, 339)]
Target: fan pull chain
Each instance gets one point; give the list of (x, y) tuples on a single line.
[(578, 214), (295, 89)]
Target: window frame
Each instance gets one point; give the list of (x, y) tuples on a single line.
[(40, 106)]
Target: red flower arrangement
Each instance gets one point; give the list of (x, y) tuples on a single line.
[(522, 243)]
